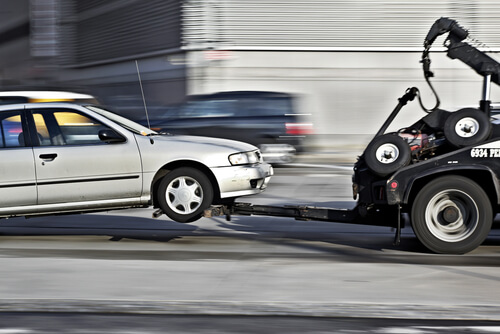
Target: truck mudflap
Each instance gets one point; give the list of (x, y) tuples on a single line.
[(387, 215)]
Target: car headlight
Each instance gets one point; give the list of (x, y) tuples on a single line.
[(245, 158)]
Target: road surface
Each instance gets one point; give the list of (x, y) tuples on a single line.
[(125, 262)]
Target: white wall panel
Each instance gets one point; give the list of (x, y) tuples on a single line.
[(331, 24)]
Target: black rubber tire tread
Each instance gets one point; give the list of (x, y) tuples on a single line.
[(383, 169), (484, 128), (452, 182), (206, 186)]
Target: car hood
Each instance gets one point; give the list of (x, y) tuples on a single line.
[(235, 145), (212, 152)]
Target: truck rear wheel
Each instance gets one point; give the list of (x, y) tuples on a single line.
[(386, 154), (452, 215), (467, 127)]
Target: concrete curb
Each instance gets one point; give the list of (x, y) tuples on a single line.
[(306, 309)]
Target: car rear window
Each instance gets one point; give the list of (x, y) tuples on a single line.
[(11, 130)]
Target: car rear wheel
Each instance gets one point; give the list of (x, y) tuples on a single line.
[(184, 193), (452, 215)]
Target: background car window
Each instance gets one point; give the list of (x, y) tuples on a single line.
[(56, 127), (265, 106), (208, 108), (12, 130)]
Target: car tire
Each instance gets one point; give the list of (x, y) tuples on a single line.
[(452, 215), (386, 154), (467, 127), (184, 193)]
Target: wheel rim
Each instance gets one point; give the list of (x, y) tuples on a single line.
[(184, 195), (451, 215), (467, 127), (387, 153)]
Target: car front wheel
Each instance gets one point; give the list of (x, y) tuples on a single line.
[(184, 193)]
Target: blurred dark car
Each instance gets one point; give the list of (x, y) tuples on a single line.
[(265, 119)]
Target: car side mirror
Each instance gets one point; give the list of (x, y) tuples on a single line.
[(110, 136)]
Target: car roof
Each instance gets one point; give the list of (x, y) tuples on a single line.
[(17, 106), (43, 96)]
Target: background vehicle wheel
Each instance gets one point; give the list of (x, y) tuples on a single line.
[(467, 127), (184, 193), (386, 154), (452, 215)]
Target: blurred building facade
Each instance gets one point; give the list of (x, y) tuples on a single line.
[(347, 60)]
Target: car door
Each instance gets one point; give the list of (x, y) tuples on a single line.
[(17, 170), (74, 165)]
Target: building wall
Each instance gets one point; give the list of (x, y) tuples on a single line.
[(91, 46), (100, 32), (348, 61), (355, 25), (14, 42), (106, 45)]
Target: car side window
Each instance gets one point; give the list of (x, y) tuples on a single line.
[(66, 127), (11, 130)]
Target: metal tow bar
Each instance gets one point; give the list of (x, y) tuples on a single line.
[(386, 216)]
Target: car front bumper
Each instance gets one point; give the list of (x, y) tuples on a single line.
[(236, 181)]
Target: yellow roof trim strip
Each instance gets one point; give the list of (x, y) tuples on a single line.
[(50, 100)]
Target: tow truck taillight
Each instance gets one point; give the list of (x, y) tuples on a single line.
[(299, 129)]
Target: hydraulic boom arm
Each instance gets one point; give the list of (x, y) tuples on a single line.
[(457, 49)]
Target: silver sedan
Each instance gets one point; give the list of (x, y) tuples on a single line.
[(64, 158)]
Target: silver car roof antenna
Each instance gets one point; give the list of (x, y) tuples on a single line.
[(142, 93)]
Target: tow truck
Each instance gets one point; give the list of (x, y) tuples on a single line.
[(440, 174)]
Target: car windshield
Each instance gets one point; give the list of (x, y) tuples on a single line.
[(124, 122)]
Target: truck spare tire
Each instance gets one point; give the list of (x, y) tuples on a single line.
[(387, 153), (467, 127)]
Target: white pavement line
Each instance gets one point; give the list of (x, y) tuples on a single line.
[(320, 166), (402, 330), (329, 176)]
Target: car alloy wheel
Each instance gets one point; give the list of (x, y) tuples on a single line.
[(184, 193)]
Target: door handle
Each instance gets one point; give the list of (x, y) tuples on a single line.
[(48, 157)]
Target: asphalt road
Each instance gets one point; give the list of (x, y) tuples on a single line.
[(125, 262), (78, 323)]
